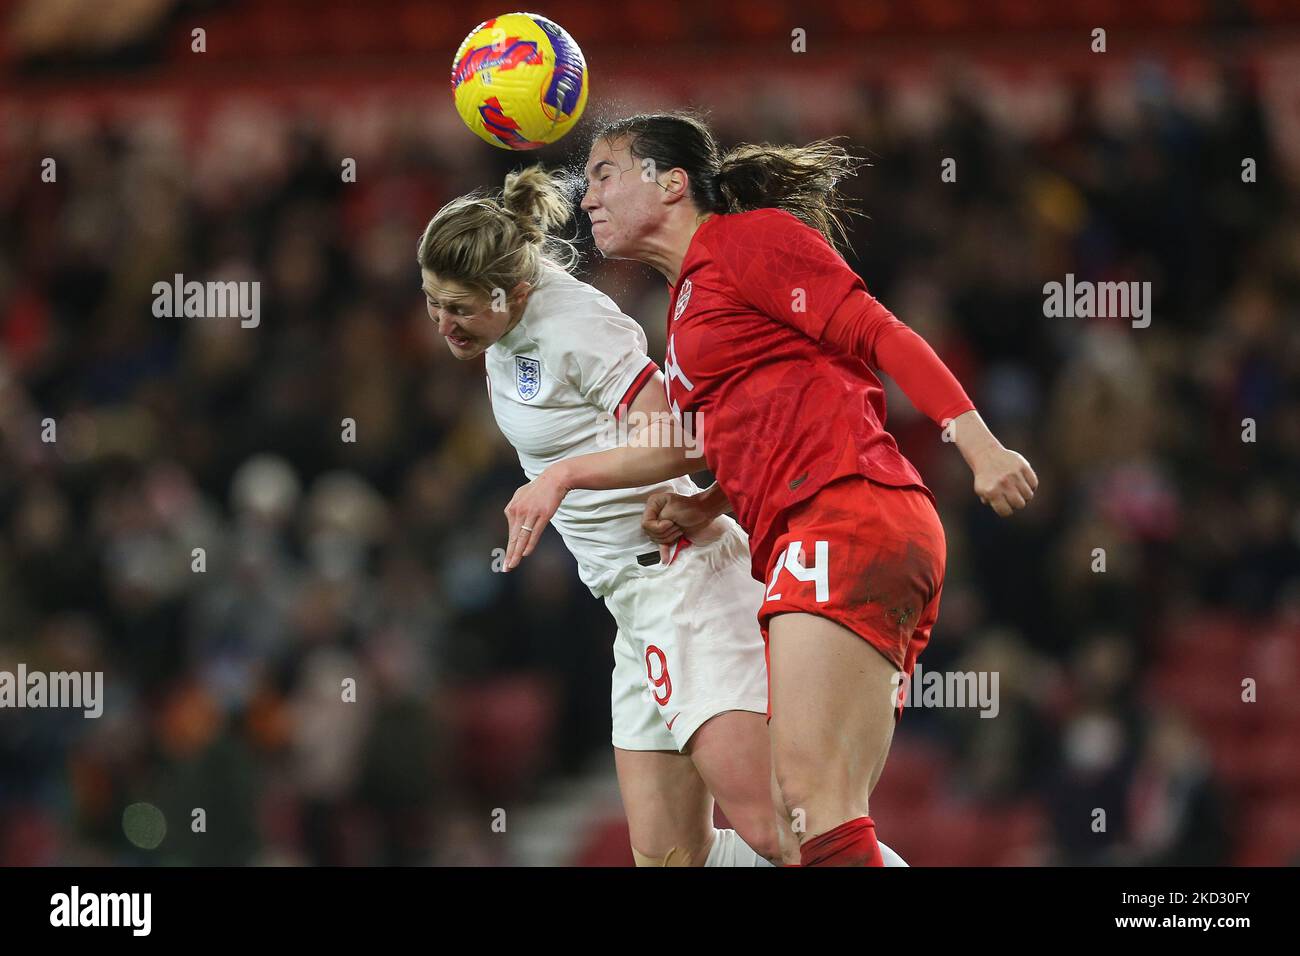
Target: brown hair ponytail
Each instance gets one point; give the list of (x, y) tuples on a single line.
[(803, 180), (495, 240)]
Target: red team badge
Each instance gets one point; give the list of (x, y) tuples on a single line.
[(683, 298)]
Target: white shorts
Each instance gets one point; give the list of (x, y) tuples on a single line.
[(688, 645)]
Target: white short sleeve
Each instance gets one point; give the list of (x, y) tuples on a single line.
[(604, 351)]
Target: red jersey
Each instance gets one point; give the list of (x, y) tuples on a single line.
[(780, 413)]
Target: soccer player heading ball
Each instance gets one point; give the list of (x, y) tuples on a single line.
[(771, 344), (689, 688)]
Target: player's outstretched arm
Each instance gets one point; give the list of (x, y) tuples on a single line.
[(654, 452), (535, 503), (862, 326)]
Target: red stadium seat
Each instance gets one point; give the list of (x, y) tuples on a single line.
[(1271, 835), (501, 731), (607, 845), (1273, 764), (1209, 696), (913, 771)]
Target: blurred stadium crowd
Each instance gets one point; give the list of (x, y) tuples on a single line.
[(326, 559)]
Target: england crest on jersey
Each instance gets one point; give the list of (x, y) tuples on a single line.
[(528, 377)]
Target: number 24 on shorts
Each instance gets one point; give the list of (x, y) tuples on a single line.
[(791, 559)]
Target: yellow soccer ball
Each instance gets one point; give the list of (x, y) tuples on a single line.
[(519, 81)]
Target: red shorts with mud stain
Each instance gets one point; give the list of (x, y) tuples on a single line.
[(869, 557)]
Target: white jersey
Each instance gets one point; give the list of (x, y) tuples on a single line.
[(557, 380)]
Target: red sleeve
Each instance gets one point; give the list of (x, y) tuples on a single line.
[(863, 327), (784, 268)]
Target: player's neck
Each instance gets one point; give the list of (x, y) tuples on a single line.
[(669, 252), (516, 316)]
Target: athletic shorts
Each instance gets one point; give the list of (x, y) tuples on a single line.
[(687, 647), (865, 555)]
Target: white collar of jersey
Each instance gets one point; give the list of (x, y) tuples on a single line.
[(517, 339)]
